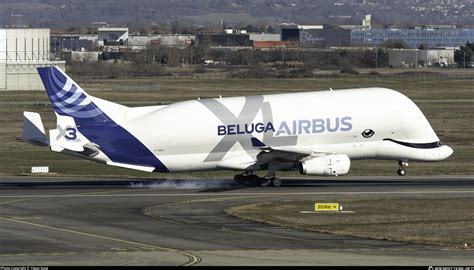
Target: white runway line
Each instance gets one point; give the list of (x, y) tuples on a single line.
[(223, 194)]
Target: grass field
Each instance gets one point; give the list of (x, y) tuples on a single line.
[(448, 105), (439, 221)]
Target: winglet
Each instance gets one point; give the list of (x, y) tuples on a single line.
[(257, 143)]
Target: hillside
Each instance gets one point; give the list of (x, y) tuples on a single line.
[(66, 13)]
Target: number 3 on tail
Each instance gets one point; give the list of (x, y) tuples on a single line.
[(71, 134)]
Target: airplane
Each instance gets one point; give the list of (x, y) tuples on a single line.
[(317, 133)]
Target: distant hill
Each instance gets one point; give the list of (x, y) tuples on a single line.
[(67, 13)]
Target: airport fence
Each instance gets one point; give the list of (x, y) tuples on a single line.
[(425, 76), (412, 75), (420, 76)]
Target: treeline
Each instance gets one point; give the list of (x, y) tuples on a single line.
[(330, 59), (161, 61)]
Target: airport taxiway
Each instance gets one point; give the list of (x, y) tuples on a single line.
[(84, 221)]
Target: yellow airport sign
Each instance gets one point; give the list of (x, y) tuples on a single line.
[(326, 207)]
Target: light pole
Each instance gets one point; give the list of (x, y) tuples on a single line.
[(376, 57), (464, 60)]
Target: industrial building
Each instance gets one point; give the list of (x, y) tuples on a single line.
[(321, 36), (316, 36), (112, 36), (139, 42), (67, 43), (264, 37), (224, 40), (84, 57), (274, 45), (429, 37), (22, 50), (421, 58)]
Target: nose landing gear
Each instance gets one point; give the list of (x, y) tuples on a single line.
[(401, 171)]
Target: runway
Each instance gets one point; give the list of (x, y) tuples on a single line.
[(84, 221)]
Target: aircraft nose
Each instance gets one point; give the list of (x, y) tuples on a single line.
[(445, 152)]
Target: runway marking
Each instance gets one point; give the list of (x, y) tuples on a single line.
[(147, 211), (118, 249), (95, 193), (115, 251), (35, 198), (245, 194), (20, 200), (192, 258), (407, 250)]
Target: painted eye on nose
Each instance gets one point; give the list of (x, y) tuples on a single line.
[(368, 133)]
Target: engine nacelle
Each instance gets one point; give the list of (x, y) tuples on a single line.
[(329, 165)]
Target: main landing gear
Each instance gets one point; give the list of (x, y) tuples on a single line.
[(401, 171), (250, 179)]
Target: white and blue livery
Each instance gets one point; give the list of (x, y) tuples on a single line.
[(318, 133)]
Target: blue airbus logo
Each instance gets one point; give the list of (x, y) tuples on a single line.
[(295, 127)]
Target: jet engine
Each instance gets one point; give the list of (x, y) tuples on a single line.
[(330, 165)]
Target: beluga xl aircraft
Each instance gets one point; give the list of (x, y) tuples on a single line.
[(318, 133)]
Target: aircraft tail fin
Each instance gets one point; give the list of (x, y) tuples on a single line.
[(69, 99)]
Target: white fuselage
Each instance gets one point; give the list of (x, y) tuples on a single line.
[(203, 134)]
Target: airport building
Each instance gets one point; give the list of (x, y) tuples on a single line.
[(264, 37), (421, 58), (67, 43), (22, 50), (140, 42), (224, 40), (428, 37), (316, 36), (320, 36), (112, 36)]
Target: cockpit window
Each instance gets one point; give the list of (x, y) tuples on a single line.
[(417, 145)]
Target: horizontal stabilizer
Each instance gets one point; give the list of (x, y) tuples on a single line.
[(33, 130)]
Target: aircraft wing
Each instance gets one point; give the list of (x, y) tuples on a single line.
[(282, 153)]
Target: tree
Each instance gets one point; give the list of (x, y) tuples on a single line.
[(464, 55), (271, 30), (175, 27), (253, 29), (422, 47), (157, 29)]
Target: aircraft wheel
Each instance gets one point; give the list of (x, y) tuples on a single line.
[(252, 180), (276, 182), (240, 179), (402, 172)]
